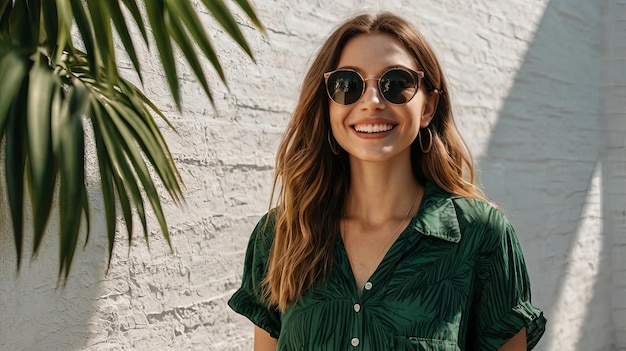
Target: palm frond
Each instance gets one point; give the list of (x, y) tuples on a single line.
[(158, 17), (15, 161), (51, 89), (117, 17), (227, 21), (69, 148), (42, 169)]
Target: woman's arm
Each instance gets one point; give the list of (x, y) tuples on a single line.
[(264, 342), (516, 343)]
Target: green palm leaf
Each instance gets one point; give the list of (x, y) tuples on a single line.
[(12, 71), (117, 17), (51, 89), (69, 148), (15, 162), (226, 19), (42, 168)]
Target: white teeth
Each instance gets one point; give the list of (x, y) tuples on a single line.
[(373, 128)]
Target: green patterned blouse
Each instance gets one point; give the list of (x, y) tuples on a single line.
[(455, 279)]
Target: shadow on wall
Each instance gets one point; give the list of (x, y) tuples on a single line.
[(37, 314), (543, 156)]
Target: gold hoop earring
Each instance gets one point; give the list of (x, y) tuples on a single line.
[(334, 147), (430, 140)]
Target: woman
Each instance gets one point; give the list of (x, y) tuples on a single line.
[(379, 240)]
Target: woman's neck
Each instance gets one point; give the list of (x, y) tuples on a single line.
[(381, 191)]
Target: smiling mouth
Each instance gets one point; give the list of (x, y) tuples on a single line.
[(373, 128)]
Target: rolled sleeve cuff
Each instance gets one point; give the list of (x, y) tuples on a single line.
[(524, 315), (247, 305)]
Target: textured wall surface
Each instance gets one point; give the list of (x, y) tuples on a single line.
[(613, 165), (538, 90)]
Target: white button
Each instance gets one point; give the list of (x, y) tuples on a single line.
[(355, 342), (357, 307), (368, 286)]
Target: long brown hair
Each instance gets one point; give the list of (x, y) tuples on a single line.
[(313, 182)]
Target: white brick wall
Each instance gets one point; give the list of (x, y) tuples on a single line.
[(614, 162), (538, 90)]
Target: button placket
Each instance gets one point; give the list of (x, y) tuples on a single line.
[(357, 307), (357, 325)]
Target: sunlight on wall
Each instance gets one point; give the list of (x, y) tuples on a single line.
[(568, 316)]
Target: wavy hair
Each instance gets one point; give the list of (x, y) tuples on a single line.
[(313, 183)]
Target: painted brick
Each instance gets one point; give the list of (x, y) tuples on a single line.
[(538, 91)]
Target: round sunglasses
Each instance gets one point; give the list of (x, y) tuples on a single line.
[(398, 85)]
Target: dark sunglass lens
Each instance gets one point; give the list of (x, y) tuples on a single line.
[(344, 87), (398, 86)]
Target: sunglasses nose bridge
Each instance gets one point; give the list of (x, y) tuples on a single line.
[(375, 79), (373, 87)]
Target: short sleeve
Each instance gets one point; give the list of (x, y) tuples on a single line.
[(502, 305), (247, 300)]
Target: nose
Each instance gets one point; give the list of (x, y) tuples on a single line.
[(371, 96)]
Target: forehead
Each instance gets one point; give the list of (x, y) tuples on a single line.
[(373, 53)]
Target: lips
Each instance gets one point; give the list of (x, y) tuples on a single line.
[(373, 128)]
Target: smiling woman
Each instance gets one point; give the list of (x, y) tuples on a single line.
[(379, 239)]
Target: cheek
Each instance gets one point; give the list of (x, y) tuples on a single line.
[(411, 115), (337, 114), (417, 113)]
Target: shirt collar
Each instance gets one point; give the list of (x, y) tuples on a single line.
[(437, 215)]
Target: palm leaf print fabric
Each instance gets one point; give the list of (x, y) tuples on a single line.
[(455, 279)]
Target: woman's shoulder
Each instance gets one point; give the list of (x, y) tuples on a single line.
[(478, 214), (260, 244), (483, 222), (476, 208), (263, 232)]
